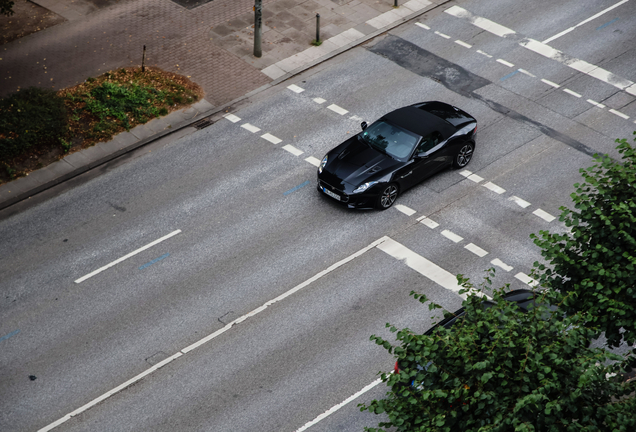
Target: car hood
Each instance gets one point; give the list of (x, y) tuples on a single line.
[(354, 162)]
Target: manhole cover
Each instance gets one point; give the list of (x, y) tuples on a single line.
[(191, 4)]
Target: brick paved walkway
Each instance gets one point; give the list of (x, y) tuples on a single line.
[(212, 43)]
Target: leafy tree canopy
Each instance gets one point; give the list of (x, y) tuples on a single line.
[(592, 267), (499, 369)]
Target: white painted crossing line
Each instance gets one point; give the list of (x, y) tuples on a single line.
[(520, 202), (271, 138), (319, 100), (505, 63), (550, 83), (546, 50), (335, 108), (250, 127), (501, 264), (442, 35), (125, 257), (424, 26), (543, 215), (428, 222), (464, 44), (452, 236), (573, 93), (231, 117), (618, 113), (404, 209), (312, 160), (295, 88), (476, 250), (293, 150), (421, 265), (526, 279), (493, 187)]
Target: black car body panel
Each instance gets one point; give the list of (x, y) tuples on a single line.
[(415, 142)]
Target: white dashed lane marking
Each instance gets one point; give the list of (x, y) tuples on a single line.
[(476, 250), (493, 187), (618, 113), (470, 176), (484, 53), (319, 100), (428, 222), (543, 215), (404, 209), (271, 138), (335, 108), (526, 279), (312, 160), (464, 44), (501, 264), (231, 117), (573, 93), (550, 83), (442, 35), (520, 202), (293, 150), (250, 127), (593, 102), (295, 88), (452, 236), (424, 26), (505, 63)]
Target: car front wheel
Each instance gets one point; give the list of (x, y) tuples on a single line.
[(387, 196), (464, 155)]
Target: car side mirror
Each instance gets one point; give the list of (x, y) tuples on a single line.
[(363, 125), (422, 155)]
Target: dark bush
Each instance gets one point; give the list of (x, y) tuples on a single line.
[(31, 117)]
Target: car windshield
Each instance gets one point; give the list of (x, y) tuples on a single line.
[(390, 139)]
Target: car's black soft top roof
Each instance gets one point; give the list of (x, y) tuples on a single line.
[(420, 122)]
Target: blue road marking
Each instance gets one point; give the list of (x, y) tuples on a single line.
[(606, 24), (296, 188), (154, 261), (509, 75), (13, 333)]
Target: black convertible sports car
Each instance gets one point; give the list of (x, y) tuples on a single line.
[(396, 152)]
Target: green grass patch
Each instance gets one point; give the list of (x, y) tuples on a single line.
[(38, 126)]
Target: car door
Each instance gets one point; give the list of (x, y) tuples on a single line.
[(429, 157)]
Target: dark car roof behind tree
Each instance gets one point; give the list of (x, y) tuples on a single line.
[(420, 122)]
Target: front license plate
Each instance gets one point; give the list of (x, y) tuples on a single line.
[(331, 194)]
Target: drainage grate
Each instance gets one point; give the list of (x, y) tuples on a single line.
[(203, 123)]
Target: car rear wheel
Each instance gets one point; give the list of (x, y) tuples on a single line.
[(464, 155), (387, 196)]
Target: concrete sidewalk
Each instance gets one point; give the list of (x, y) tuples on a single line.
[(212, 44)]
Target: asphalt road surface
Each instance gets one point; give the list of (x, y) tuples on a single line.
[(202, 283)]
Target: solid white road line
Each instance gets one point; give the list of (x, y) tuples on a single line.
[(293, 150), (215, 334), (340, 405), (404, 209), (125, 257), (271, 138), (295, 88), (543, 215), (421, 265), (558, 35)]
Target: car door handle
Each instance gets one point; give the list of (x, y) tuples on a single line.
[(406, 175)]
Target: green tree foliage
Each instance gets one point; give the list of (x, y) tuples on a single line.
[(499, 369), (6, 7), (31, 117), (592, 267)]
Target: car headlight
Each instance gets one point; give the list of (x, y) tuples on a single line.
[(322, 164), (364, 186)]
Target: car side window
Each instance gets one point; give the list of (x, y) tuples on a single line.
[(429, 142)]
